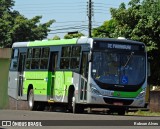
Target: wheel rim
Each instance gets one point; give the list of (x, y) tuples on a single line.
[(30, 100), (73, 101)]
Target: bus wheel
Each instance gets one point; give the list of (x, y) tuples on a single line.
[(121, 111), (77, 108), (31, 103)]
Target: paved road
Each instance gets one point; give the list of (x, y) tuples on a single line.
[(96, 118)]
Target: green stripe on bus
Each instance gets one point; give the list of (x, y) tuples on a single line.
[(53, 42), (122, 94)]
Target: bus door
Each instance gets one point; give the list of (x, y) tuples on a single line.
[(84, 76), (13, 74), (52, 68), (22, 57)]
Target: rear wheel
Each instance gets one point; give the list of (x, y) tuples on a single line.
[(31, 103)]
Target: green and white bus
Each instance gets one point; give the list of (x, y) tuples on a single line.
[(79, 73)]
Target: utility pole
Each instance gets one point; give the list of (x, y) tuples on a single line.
[(90, 14)]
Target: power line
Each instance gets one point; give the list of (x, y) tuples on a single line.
[(101, 13), (67, 25), (46, 13), (105, 4), (65, 31), (101, 10), (52, 6), (70, 22), (50, 3), (74, 27), (52, 9), (78, 8)]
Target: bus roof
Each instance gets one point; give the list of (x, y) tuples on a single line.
[(118, 40), (45, 43), (82, 40), (53, 42), (20, 44)]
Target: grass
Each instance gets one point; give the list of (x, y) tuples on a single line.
[(144, 113)]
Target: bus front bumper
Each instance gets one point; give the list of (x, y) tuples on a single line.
[(114, 101)]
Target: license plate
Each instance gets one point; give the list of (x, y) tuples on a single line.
[(118, 103)]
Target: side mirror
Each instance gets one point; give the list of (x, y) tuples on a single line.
[(148, 69)]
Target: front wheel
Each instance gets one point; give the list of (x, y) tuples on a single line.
[(73, 106), (119, 110), (77, 108)]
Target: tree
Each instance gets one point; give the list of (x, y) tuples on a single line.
[(141, 22), (56, 38), (70, 36), (14, 27), (106, 30)]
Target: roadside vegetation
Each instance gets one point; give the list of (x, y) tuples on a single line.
[(143, 113)]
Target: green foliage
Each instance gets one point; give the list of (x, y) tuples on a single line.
[(106, 30), (139, 21), (14, 27), (70, 36), (144, 113), (56, 38), (5, 6)]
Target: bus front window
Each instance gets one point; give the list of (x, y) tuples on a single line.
[(118, 68)]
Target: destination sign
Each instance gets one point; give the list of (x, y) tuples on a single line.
[(118, 45)]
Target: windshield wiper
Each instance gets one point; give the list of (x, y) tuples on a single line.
[(132, 53)]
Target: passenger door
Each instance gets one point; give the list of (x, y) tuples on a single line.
[(52, 69), (84, 77), (13, 75), (22, 58)]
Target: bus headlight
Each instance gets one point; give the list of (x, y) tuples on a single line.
[(142, 93), (94, 90)]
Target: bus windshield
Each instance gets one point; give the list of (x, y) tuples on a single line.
[(126, 68)]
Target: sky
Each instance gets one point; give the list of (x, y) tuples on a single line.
[(69, 15)]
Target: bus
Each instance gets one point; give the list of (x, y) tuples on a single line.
[(79, 73)]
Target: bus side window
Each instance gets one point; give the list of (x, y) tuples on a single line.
[(29, 59), (14, 60), (35, 58), (65, 57), (75, 57), (44, 58)]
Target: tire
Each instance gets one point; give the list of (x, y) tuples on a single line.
[(77, 108), (70, 108), (31, 103), (121, 112), (73, 106)]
